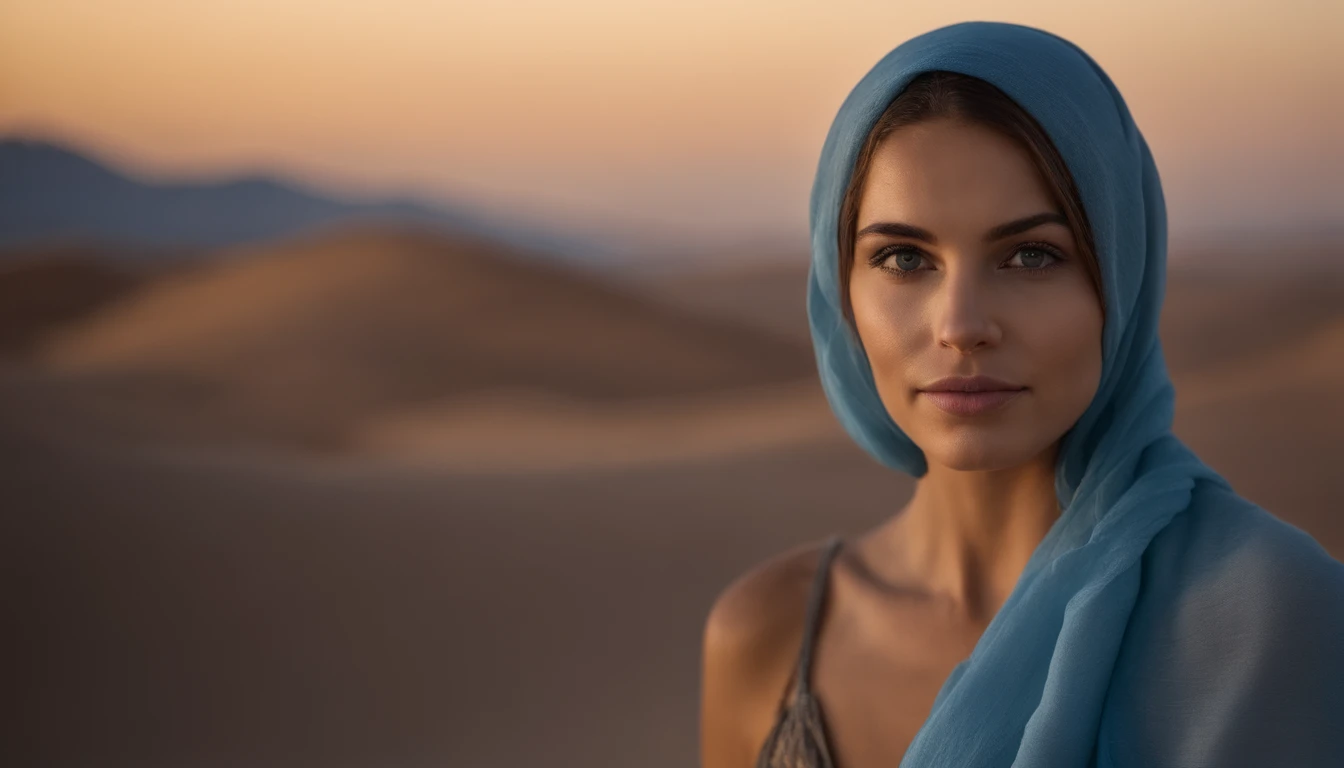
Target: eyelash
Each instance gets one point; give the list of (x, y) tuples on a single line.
[(883, 254)]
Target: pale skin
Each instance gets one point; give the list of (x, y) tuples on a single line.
[(909, 599)]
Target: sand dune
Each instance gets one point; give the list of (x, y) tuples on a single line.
[(1313, 357), (42, 290), (510, 560), (303, 339), (1215, 316), (510, 432), (263, 613), (406, 344), (459, 354), (457, 315)]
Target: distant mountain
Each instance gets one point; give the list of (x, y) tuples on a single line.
[(49, 194)]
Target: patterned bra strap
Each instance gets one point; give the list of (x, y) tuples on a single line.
[(815, 602)]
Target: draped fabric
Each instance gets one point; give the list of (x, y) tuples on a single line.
[(1163, 620)]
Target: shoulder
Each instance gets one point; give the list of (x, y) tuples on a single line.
[(766, 604), (1232, 652), (1228, 550), (1229, 572), (751, 641)]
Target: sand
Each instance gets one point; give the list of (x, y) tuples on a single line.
[(387, 560)]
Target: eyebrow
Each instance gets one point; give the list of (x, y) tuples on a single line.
[(1017, 227)]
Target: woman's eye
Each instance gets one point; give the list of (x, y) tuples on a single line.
[(903, 260), (1033, 258)]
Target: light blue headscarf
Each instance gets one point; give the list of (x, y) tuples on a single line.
[(1163, 620)]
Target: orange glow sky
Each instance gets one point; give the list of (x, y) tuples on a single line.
[(680, 121)]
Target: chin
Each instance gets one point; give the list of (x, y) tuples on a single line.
[(975, 451)]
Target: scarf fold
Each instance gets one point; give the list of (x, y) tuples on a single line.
[(1062, 676)]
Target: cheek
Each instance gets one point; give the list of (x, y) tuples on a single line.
[(1064, 341), (891, 328)]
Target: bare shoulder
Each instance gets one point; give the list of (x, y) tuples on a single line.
[(765, 605), (751, 641)]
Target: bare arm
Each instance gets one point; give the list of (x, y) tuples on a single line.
[(750, 644), (725, 697)]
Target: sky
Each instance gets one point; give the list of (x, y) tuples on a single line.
[(661, 125)]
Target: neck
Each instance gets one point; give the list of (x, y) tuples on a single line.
[(967, 536)]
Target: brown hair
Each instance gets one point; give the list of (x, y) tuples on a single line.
[(940, 94)]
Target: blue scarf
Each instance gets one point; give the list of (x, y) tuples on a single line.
[(1163, 620)]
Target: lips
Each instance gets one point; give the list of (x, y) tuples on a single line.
[(971, 384), (971, 395)]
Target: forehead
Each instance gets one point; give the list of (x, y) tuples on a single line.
[(951, 173)]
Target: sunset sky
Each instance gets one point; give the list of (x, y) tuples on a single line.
[(686, 122)]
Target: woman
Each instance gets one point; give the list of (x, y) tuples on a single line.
[(1069, 585)]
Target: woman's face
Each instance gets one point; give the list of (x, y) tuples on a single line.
[(963, 266)]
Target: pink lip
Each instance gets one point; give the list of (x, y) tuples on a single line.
[(969, 384), (972, 403)]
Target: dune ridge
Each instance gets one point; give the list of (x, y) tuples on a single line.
[(305, 338), (471, 555)]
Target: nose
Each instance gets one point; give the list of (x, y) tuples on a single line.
[(964, 318)]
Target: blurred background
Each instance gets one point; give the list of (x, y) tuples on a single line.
[(398, 383)]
